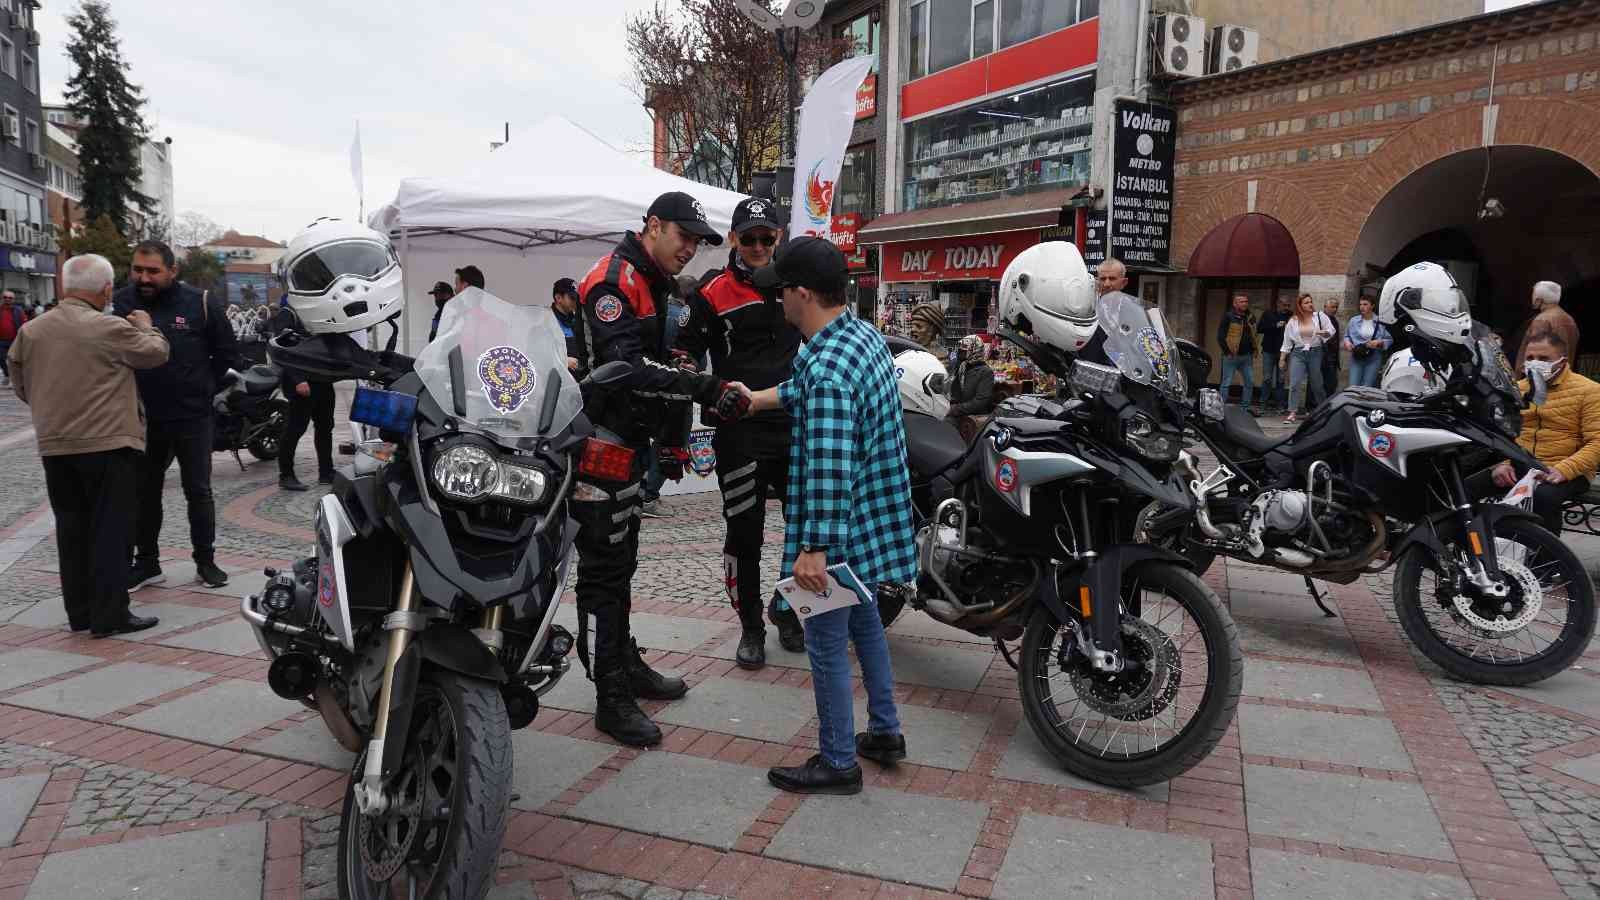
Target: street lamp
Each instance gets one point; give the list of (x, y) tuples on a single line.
[(799, 16)]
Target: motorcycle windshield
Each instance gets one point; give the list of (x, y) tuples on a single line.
[(513, 360), (1138, 343)]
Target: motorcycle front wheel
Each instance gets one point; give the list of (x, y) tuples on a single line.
[(1153, 725), (1537, 630), (452, 794)]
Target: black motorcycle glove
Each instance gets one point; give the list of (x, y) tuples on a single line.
[(732, 403)]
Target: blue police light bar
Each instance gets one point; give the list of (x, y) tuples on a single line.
[(384, 410)]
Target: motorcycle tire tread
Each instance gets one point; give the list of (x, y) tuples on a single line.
[(1192, 748), (1408, 606), (486, 766)]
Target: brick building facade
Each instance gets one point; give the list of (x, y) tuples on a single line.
[(1376, 154)]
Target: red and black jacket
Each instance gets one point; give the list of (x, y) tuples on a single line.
[(620, 298), (743, 330)]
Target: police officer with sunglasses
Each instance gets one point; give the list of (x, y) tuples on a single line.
[(743, 329)]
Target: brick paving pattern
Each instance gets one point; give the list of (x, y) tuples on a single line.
[(1355, 767)]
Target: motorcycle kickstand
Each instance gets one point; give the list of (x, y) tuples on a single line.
[(1006, 652), (239, 459), (1312, 589)]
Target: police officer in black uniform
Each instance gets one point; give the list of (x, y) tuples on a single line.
[(624, 299), (743, 329)]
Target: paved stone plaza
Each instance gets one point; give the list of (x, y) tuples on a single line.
[(162, 767)]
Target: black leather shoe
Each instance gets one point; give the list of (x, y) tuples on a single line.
[(883, 749), (142, 574), (324, 478), (134, 623), (791, 636), (290, 483), (815, 777), (616, 713), (752, 650), (209, 575), (648, 684)]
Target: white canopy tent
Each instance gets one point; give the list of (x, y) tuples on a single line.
[(545, 206), (542, 207)]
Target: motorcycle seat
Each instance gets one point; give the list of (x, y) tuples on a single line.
[(932, 445), (260, 380), (1243, 428)]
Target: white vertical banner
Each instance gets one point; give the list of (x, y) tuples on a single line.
[(355, 172), (826, 117)]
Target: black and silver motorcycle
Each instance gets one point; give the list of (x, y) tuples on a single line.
[(422, 630), (1129, 668), (250, 414), (1372, 479)]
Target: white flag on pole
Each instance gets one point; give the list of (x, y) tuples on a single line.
[(355, 170), (826, 118)]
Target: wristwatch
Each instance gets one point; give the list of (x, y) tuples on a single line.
[(813, 548)]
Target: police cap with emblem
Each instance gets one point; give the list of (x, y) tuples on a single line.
[(676, 206), (755, 212)]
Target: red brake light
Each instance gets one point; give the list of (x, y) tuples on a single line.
[(606, 461)]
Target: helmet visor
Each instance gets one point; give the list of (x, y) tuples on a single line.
[(316, 270), (1448, 302), (1072, 299)]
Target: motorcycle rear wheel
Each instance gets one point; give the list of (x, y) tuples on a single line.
[(1476, 655), (1041, 682), (265, 445), (458, 760)]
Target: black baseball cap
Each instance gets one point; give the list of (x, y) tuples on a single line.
[(676, 206), (442, 287), (808, 262), (471, 276), (755, 212), (564, 287)]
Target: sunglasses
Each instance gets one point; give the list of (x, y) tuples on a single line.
[(750, 240)]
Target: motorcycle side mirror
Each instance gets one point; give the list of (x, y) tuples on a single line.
[(608, 373)]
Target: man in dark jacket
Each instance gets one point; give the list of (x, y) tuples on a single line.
[(1236, 336), (750, 342), (564, 300), (177, 401), (624, 298), (1330, 350), (441, 293), (1274, 393)]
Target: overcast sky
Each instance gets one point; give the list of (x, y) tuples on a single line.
[(260, 99)]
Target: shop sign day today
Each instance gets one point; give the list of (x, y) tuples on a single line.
[(968, 257)]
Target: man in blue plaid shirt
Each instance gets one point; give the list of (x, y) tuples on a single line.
[(849, 502)]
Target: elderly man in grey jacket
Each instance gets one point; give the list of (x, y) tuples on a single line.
[(74, 368)]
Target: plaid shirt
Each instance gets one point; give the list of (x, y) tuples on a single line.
[(849, 487)]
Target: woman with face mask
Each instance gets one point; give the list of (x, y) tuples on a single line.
[(1563, 432)]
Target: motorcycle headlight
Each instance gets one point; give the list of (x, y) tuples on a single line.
[(466, 472), (1150, 440), (521, 484)]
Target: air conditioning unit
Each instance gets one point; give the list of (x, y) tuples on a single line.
[(18, 21), (8, 129), (1234, 47), (37, 159), (33, 37), (5, 233), (35, 238), (1181, 46)]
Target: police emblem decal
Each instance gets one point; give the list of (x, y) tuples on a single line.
[(508, 378), (1005, 476), (608, 309), (1380, 445), (683, 316), (1155, 350), (702, 455)]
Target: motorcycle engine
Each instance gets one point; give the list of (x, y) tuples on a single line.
[(1278, 514), (978, 576)]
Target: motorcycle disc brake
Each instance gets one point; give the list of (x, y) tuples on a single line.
[(1145, 694), (394, 832), (1524, 583)]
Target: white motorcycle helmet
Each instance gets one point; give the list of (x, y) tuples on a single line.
[(1048, 292), (1427, 296), (922, 383), (341, 277), (1404, 375)]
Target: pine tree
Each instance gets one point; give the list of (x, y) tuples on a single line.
[(99, 235), (109, 106)]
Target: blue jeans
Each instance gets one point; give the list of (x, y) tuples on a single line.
[(1240, 364), (1273, 386), (650, 488), (1364, 372), (1305, 365), (827, 638)]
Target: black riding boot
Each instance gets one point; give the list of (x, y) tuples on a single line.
[(617, 714), (648, 684)]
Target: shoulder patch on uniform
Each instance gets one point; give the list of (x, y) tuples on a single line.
[(608, 309)]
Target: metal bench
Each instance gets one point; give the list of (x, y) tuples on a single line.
[(1582, 513)]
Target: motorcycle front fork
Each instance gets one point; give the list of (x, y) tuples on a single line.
[(370, 797), (1482, 568)]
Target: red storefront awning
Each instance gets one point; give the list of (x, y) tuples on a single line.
[(1253, 245)]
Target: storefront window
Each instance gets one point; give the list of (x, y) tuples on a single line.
[(858, 182), (1009, 145)]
